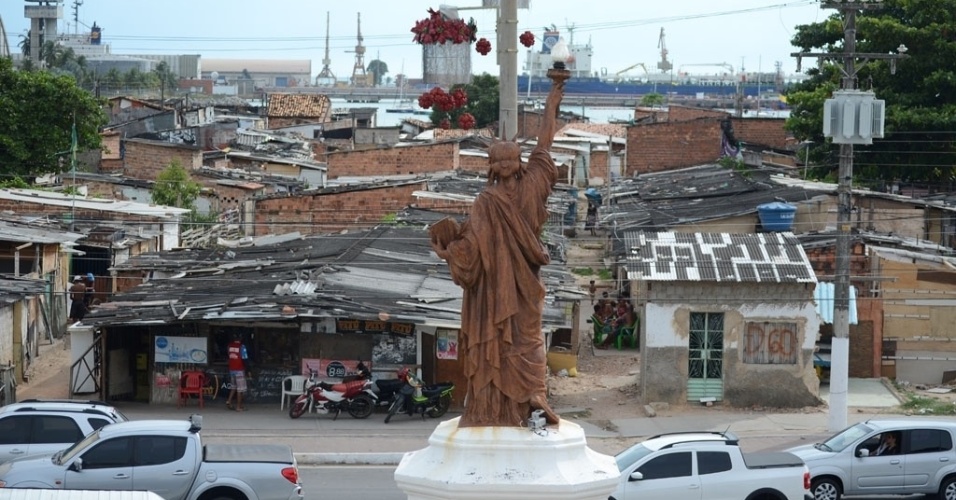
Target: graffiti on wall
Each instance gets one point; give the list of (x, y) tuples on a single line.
[(771, 343)]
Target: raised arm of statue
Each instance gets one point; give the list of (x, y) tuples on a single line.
[(550, 119)]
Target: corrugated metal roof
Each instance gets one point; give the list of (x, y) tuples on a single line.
[(84, 203), (823, 296), (721, 257), (358, 275)]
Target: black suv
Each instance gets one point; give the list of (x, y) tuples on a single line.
[(36, 426)]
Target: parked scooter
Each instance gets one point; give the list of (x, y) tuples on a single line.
[(387, 389), (353, 395), (417, 397)]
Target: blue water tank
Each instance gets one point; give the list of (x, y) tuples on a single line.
[(776, 216)]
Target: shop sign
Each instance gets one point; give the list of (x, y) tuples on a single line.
[(374, 326)]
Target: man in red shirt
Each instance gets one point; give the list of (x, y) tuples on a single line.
[(237, 372)]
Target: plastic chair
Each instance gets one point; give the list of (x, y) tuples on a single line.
[(191, 383), (601, 329), (628, 335), (293, 385)]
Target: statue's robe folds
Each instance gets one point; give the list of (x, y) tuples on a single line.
[(496, 260)]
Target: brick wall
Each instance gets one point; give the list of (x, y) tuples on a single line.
[(763, 131), (316, 213), (652, 114), (447, 206), (191, 83), (665, 146), (598, 165), (437, 157), (683, 114), (474, 164), (146, 159), (529, 122)]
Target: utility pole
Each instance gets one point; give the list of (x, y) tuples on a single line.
[(508, 72), (851, 117)]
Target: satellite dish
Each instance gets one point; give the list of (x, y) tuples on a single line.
[(215, 75)]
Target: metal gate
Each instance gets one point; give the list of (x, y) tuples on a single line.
[(706, 357)]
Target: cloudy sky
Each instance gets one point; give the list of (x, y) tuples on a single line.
[(749, 33)]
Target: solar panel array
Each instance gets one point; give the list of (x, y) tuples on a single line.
[(756, 257)]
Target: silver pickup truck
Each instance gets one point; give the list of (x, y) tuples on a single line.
[(166, 457)]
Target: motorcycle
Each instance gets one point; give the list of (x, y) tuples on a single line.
[(387, 389), (432, 400), (353, 395)]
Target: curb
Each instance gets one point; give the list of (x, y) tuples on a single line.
[(348, 458)]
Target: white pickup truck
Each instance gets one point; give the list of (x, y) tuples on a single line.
[(707, 466), (166, 457)]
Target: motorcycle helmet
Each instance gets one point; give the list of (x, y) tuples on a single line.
[(403, 374)]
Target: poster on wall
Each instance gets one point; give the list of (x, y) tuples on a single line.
[(180, 350), (447, 344), (330, 368), (392, 350)]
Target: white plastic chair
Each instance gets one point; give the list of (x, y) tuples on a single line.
[(293, 385)]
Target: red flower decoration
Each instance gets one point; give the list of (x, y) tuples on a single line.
[(466, 121), (483, 46), (460, 97), (527, 39), (437, 29), (445, 124)]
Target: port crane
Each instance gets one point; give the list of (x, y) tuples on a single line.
[(359, 77), (664, 65), (326, 77), (635, 65)]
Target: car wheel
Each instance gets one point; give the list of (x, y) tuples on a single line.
[(825, 489), (947, 490)]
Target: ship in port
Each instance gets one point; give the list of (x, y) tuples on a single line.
[(688, 80)]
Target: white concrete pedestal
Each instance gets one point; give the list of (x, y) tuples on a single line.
[(507, 463)]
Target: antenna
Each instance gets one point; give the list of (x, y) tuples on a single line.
[(326, 73), (570, 33), (359, 78)]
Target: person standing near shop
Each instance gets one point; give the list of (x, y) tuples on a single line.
[(237, 372)]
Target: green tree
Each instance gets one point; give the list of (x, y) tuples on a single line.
[(483, 98), (652, 99), (378, 69), (37, 113), (920, 132), (165, 77), (175, 187)]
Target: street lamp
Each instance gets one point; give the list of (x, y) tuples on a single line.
[(560, 55)]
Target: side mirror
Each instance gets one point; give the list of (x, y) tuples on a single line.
[(862, 452), (636, 476), (77, 465)]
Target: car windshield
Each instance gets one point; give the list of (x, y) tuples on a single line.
[(68, 454), (631, 455), (846, 437)]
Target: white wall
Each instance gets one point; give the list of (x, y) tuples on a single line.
[(661, 331)]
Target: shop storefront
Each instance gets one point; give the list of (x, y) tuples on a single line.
[(146, 363)]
